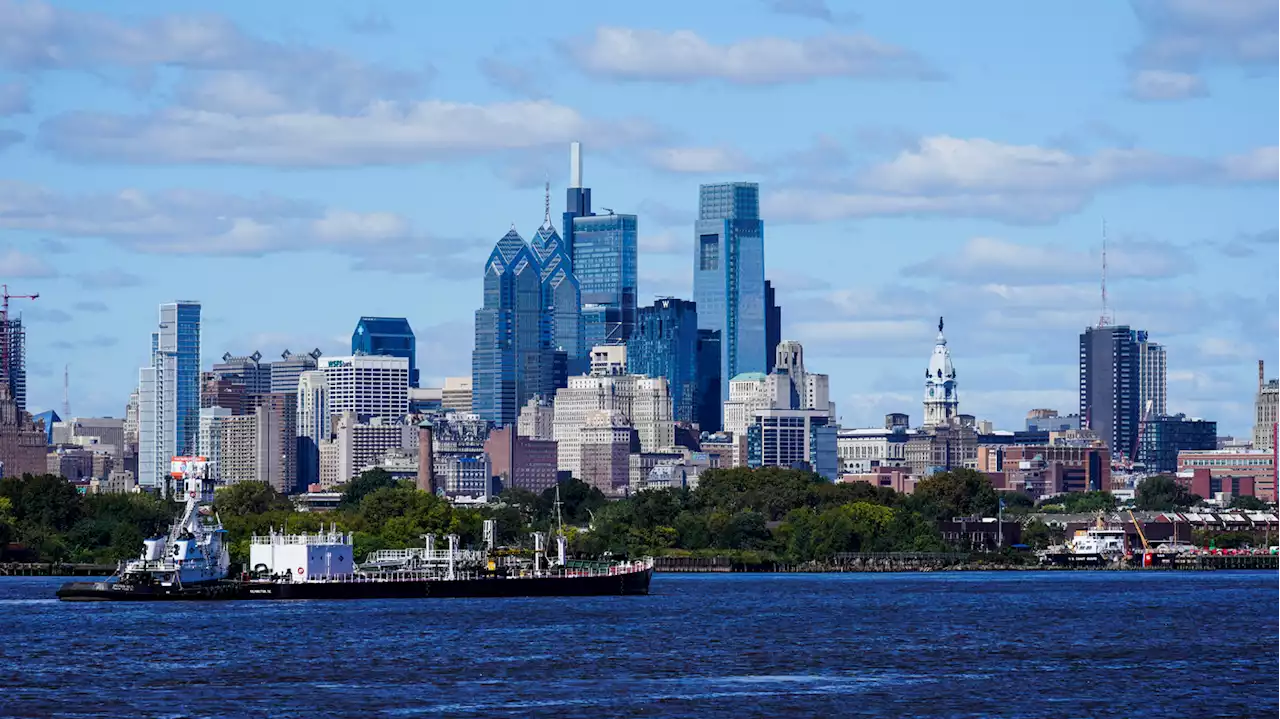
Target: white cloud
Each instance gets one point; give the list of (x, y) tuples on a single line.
[(384, 133), (1166, 85), (986, 259), (703, 160), (14, 263), (667, 242), (684, 56)]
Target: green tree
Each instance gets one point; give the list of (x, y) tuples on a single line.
[(957, 493), (1247, 503), (578, 499), (367, 483), (1162, 493), (246, 498), (45, 501), (1081, 502)]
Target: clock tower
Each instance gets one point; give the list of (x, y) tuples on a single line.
[(941, 396)]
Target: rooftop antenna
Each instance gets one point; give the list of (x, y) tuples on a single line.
[(1104, 320), (546, 220)]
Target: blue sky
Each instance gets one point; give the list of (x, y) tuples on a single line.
[(294, 165)]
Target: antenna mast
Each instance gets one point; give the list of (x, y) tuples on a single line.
[(66, 393), (546, 221), (1104, 320)]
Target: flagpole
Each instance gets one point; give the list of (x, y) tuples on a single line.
[(1000, 525)]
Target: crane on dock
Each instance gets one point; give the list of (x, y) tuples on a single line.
[(1147, 557)]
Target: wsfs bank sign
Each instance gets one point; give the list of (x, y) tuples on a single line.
[(339, 363)]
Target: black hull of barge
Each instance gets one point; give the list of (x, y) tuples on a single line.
[(630, 583)]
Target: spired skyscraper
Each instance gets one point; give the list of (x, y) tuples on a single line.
[(604, 251), (1110, 391), (514, 358), (562, 296), (728, 276), (169, 394)]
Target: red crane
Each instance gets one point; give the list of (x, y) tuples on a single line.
[(6, 343)]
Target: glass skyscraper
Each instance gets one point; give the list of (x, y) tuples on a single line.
[(513, 358), (728, 277), (561, 296), (387, 336), (1109, 385), (169, 394), (665, 344)]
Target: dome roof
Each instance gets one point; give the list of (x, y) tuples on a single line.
[(940, 367)]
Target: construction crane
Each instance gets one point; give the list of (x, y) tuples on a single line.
[(1146, 546), (6, 342)]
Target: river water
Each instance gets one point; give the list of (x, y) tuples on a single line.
[(1018, 644)]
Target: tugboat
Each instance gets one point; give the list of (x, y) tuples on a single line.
[(190, 562), (322, 566)]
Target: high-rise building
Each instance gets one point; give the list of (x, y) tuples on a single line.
[(772, 325), (941, 393), (513, 358), (131, 424), (1109, 386), (370, 386), (561, 295), (459, 463), (314, 424), (22, 441), (13, 358), (1164, 437), (665, 344), (1152, 385), (1265, 411), (604, 452), (226, 391), (643, 402), (604, 249), (456, 394), (387, 336), (794, 438), (209, 445), (285, 371), (651, 414), (708, 397), (169, 394), (238, 454), (277, 440), (520, 461), (728, 278), (360, 444), (248, 370), (537, 419)]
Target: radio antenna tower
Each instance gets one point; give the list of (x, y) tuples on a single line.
[(1104, 320)]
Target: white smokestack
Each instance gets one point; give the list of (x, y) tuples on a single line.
[(575, 164)]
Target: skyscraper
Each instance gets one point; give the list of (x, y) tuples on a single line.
[(513, 357), (604, 251), (665, 344), (290, 366), (728, 278), (389, 336), (707, 398), (1265, 412), (561, 294), (1151, 377), (370, 386), (248, 370), (772, 325), (1109, 386), (13, 359), (169, 394), (314, 424)]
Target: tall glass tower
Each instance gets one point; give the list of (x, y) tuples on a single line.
[(1109, 385), (389, 336), (561, 295), (665, 344), (169, 394), (604, 250), (513, 358), (728, 276)]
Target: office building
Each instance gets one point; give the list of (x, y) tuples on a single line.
[(941, 448), (1232, 470), (665, 344), (22, 439), (1048, 420), (13, 358), (131, 424), (748, 394), (708, 398), (238, 454), (169, 394), (426, 400), (1264, 411), (521, 462), (941, 393), (1152, 383), (651, 413), (362, 443), (314, 424), (513, 358), (1080, 467), (1109, 386), (387, 337), (460, 466), (604, 249), (772, 326), (725, 449), (643, 404), (228, 392), (561, 294), (276, 435), (604, 452), (370, 386), (1162, 438), (456, 394), (248, 370), (863, 451), (794, 438), (209, 445), (286, 370), (537, 418), (728, 279)]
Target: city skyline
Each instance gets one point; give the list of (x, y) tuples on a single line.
[(106, 220)]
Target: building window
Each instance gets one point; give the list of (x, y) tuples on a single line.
[(709, 252)]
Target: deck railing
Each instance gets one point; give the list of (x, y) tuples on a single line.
[(613, 570)]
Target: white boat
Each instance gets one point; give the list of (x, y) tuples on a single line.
[(194, 552), (1105, 540)]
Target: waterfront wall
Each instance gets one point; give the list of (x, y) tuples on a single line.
[(929, 562)]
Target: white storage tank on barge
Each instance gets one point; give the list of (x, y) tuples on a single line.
[(302, 557)]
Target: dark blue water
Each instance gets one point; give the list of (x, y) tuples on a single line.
[(1080, 644)]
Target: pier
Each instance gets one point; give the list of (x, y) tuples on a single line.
[(953, 561), (54, 569)]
